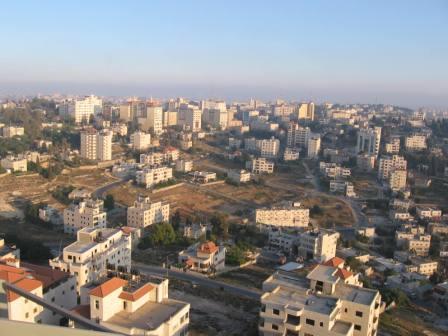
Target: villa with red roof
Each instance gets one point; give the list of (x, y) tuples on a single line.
[(203, 257)]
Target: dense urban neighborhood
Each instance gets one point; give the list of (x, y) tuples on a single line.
[(164, 217)]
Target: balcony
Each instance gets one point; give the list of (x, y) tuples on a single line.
[(292, 323)]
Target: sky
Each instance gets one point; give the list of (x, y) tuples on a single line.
[(344, 51)]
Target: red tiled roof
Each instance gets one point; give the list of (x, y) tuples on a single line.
[(334, 262), (343, 273), (127, 229), (145, 289), (26, 284), (108, 287), (47, 275), (83, 310), (208, 247)]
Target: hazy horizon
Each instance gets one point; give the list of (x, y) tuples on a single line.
[(382, 52)]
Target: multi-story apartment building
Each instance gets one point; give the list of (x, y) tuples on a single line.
[(422, 266), (388, 164), (184, 166), (139, 306), (306, 111), (415, 142), (94, 250), (215, 117), (314, 142), (397, 180), (203, 257), (369, 140), (419, 245), (343, 187), (144, 212), (429, 213), (153, 119), (132, 109), (267, 148), (239, 176), (96, 145), (14, 163), (152, 176), (297, 136), (88, 213), (392, 146), (120, 129), (283, 110), (365, 162), (140, 141), (291, 154), (81, 110), (53, 286), (168, 155), (333, 170), (190, 117), (330, 301), (260, 166), (169, 118), (12, 131), (319, 245), (290, 215)]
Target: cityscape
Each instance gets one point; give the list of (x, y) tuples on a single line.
[(204, 195)]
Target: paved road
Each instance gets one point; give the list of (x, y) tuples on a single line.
[(98, 193), (199, 280)]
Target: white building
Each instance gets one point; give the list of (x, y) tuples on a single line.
[(140, 141), (140, 306), (82, 109), (319, 245), (95, 248), (343, 187), (429, 213), (120, 129), (306, 111), (50, 285), (190, 117), (184, 166), (267, 148), (297, 136), (144, 212), (365, 162), (12, 131), (239, 176), (152, 176), (388, 164), (397, 180), (314, 146), (415, 142), (291, 154), (96, 145), (333, 170), (203, 257), (260, 166), (392, 146), (330, 301), (369, 140), (291, 215), (153, 119), (14, 163), (88, 213)]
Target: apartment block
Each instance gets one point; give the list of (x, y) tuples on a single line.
[(297, 136), (397, 180), (144, 212), (87, 213), (132, 109), (345, 188), (387, 164), (81, 110), (306, 111), (140, 141), (319, 245), (184, 166), (203, 257), (239, 176), (314, 143), (153, 119), (169, 118), (330, 301), (12, 131), (138, 306), (14, 163), (333, 170), (94, 250), (415, 142), (149, 177), (369, 140), (260, 166), (392, 146), (267, 148), (96, 145), (429, 213), (365, 162), (291, 154), (290, 215), (190, 117)]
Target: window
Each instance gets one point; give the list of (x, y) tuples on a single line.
[(125, 305), (275, 311), (274, 327), (52, 299), (27, 315), (346, 310), (35, 310), (357, 327), (309, 321), (358, 313), (321, 324), (97, 304)]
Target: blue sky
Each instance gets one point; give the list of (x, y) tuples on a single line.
[(338, 50)]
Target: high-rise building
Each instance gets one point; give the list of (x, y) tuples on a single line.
[(297, 136), (190, 117), (314, 145), (306, 111), (397, 180), (388, 164), (96, 145), (144, 212), (132, 109), (369, 140), (81, 110), (153, 119)]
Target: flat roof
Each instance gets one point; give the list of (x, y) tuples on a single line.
[(81, 247), (323, 273), (301, 299), (341, 327), (148, 317), (356, 294)]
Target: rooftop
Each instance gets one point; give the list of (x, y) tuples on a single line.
[(356, 294), (148, 317)]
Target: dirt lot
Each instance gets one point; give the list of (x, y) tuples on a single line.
[(249, 276), (215, 313)]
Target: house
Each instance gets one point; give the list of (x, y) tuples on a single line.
[(203, 257)]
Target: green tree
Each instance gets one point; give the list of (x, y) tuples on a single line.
[(109, 202), (162, 234), (220, 225)]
